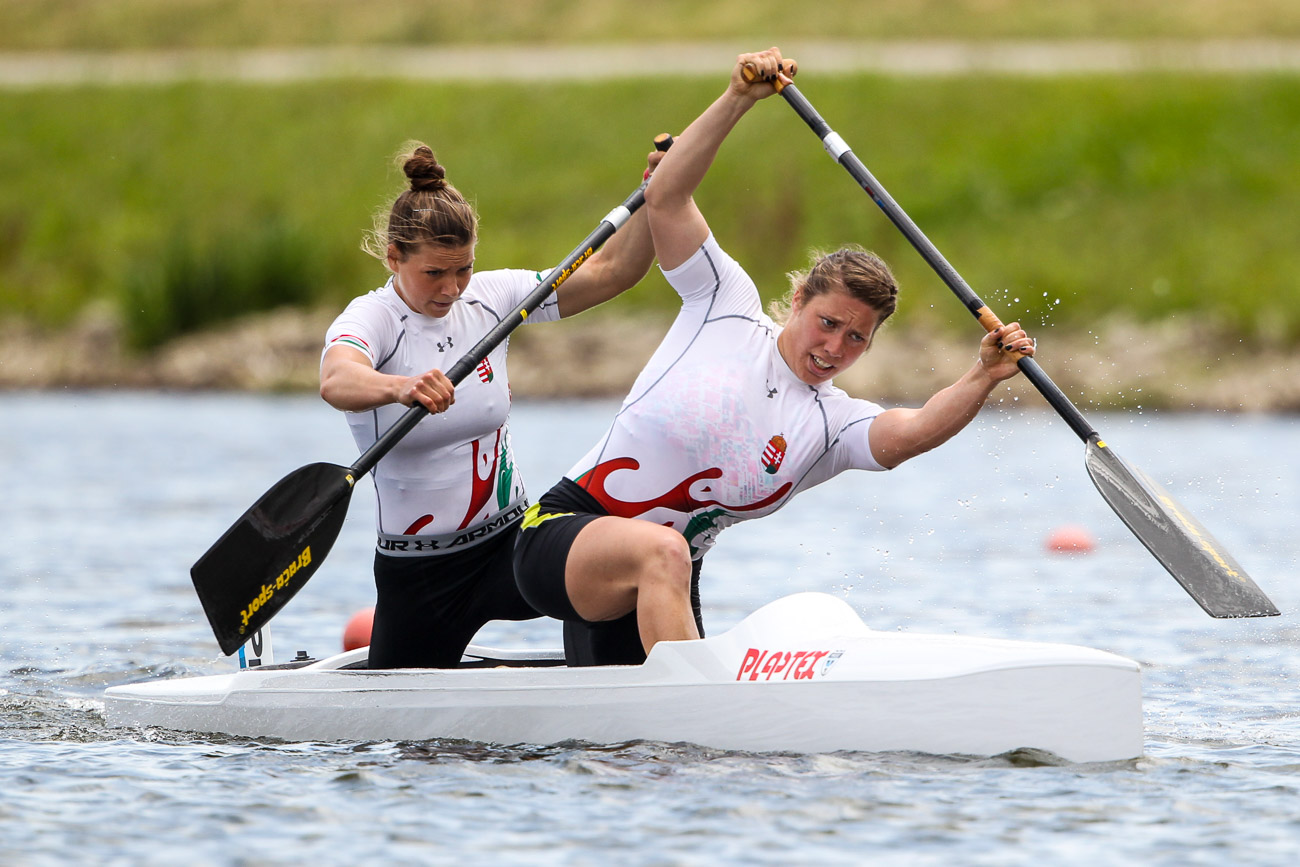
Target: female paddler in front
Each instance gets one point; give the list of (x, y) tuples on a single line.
[(732, 416), (449, 497)]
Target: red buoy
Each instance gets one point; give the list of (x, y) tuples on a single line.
[(357, 632), (1070, 539)]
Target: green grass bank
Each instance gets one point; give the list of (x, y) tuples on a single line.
[(1060, 200)]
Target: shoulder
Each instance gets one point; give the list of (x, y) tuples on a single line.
[(503, 289), (712, 273), (381, 301), (708, 259), (850, 419), (846, 407), (370, 319)]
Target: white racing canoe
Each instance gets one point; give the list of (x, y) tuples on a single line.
[(801, 674)]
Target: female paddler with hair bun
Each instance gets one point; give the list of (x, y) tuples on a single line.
[(733, 415), (449, 497)]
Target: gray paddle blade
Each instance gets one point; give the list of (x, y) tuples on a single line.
[(1194, 557)]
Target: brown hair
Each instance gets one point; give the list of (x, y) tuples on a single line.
[(430, 211), (862, 274)]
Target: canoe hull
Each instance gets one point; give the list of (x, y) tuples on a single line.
[(800, 675)]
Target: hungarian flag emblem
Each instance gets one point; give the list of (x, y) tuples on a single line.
[(485, 370), (774, 454)]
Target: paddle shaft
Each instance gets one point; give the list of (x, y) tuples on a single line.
[(458, 371), (842, 154)]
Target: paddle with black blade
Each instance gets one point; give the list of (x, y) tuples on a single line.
[(269, 553), (1184, 547)]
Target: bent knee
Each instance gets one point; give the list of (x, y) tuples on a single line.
[(666, 560)]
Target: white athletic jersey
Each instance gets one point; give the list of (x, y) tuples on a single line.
[(452, 481), (717, 428)]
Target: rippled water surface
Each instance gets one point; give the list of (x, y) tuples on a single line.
[(111, 497)]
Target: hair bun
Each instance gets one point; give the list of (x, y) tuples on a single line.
[(424, 171)]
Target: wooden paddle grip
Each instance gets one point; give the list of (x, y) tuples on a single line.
[(751, 74), (988, 319), (663, 142)]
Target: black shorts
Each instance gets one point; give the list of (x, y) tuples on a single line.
[(541, 552), (428, 608), (542, 549)]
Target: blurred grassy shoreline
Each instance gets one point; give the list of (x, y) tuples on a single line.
[(1063, 200), (162, 212)]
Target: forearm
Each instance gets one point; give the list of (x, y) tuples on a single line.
[(900, 434), (693, 152), (676, 224), (615, 268)]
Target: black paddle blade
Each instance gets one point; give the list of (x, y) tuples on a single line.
[(1194, 557), (270, 552)]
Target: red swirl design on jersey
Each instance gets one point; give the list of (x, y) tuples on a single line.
[(677, 497), (418, 525), (481, 488)]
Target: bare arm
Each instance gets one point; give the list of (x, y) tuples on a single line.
[(615, 267), (676, 223), (349, 383), (899, 434)]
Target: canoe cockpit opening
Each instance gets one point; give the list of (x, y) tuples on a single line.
[(474, 657), (519, 659)]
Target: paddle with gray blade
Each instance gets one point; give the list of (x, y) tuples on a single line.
[(1184, 547), (269, 553)]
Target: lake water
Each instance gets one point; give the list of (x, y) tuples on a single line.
[(111, 497)]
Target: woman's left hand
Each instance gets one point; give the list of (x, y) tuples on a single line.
[(1002, 347)]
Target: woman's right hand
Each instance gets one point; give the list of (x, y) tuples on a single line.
[(432, 389), (652, 161), (763, 66)]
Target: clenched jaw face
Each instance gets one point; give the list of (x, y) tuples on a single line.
[(826, 334)]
